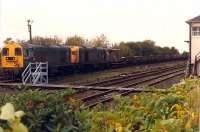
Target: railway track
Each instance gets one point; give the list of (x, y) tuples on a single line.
[(124, 78), (102, 91), (7, 80), (106, 97), (149, 78), (4, 79)]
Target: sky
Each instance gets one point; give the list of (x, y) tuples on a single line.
[(120, 20)]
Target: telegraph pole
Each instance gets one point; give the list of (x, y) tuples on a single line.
[(30, 29)]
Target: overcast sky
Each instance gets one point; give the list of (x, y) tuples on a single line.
[(120, 20)]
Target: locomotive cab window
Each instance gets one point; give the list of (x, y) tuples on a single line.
[(18, 51), (5, 52)]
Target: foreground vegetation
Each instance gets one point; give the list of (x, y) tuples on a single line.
[(173, 110)]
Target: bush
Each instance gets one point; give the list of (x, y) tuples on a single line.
[(159, 111), (46, 111), (175, 109)]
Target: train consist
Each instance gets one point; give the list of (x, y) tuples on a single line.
[(15, 57)]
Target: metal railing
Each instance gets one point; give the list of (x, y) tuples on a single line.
[(36, 73), (196, 65), (197, 57)]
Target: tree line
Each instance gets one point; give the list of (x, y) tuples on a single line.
[(146, 48), (140, 48), (98, 41)]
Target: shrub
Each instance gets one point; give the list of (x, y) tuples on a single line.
[(175, 109), (47, 111), (171, 110)]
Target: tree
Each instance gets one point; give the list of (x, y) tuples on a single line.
[(170, 51), (100, 41), (174, 51), (75, 41), (7, 40), (145, 48), (47, 40), (148, 48), (21, 41), (124, 49), (185, 53)]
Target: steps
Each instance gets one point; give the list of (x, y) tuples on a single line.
[(196, 67), (36, 73)]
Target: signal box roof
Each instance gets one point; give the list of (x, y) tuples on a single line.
[(194, 20)]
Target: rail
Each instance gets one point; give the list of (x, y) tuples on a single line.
[(52, 87)]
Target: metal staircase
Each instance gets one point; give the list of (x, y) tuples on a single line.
[(196, 67), (36, 73)]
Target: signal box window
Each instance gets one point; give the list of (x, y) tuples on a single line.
[(195, 31), (18, 52), (5, 52)]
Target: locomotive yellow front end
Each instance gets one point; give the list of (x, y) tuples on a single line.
[(12, 57)]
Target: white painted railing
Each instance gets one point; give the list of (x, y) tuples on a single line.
[(36, 73), (196, 66)]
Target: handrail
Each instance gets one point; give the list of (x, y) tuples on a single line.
[(37, 78), (196, 62), (36, 73), (26, 74), (27, 68), (198, 54)]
